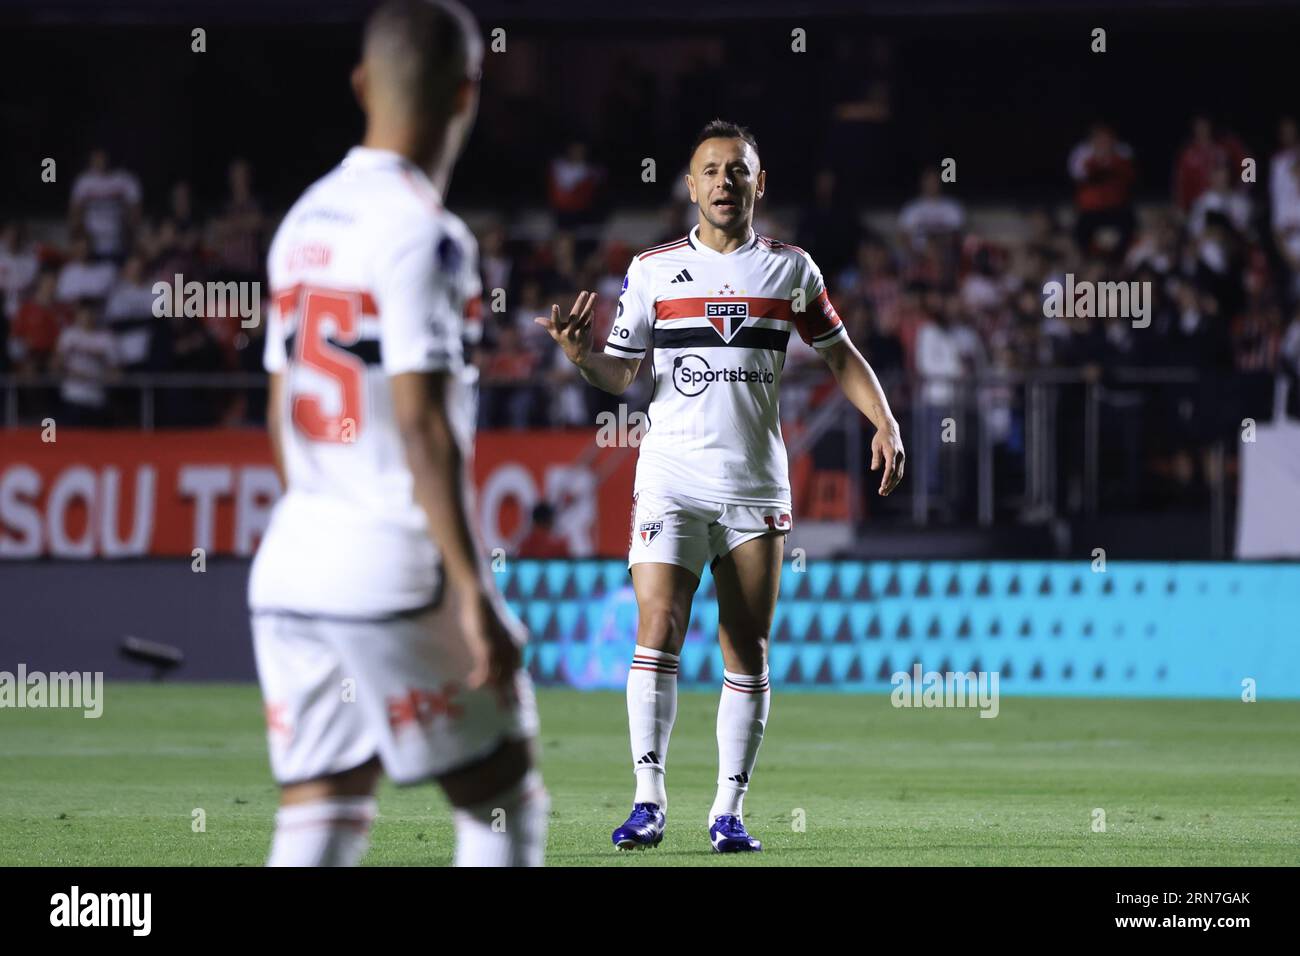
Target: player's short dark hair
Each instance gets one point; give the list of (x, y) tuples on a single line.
[(724, 129), (428, 48)]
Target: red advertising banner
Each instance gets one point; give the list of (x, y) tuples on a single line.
[(107, 494)]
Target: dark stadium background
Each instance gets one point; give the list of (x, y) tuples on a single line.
[(1006, 87)]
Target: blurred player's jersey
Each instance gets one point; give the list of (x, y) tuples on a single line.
[(719, 325), (370, 277)]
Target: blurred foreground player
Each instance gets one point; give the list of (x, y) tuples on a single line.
[(382, 643), (717, 306)]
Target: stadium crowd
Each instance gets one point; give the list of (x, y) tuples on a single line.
[(934, 301)]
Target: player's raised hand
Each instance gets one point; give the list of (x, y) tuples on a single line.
[(574, 332), (887, 447)]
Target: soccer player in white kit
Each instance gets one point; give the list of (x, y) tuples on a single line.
[(717, 307), (382, 642)]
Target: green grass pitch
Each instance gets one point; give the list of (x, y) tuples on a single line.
[(841, 780)]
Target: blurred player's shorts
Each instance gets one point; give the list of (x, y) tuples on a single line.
[(339, 692)]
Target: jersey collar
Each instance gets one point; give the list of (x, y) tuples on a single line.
[(693, 237), (366, 157)]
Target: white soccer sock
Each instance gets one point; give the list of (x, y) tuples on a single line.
[(742, 716), (509, 830), (331, 832), (651, 710)]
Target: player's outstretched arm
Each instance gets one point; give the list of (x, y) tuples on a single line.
[(574, 335), (442, 489), (859, 383)]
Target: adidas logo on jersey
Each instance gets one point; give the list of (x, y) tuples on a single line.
[(682, 276)]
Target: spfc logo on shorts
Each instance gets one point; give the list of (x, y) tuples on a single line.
[(726, 317), (650, 530)]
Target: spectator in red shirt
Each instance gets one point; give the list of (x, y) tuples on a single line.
[(510, 399), (1103, 171), (573, 182), (36, 328), (541, 540), (1197, 161)]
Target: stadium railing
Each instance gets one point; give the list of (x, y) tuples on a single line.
[(1027, 449)]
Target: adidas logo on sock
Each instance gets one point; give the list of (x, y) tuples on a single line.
[(682, 276), (741, 778), (651, 759)]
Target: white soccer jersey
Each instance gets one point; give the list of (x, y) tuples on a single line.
[(370, 277), (719, 325)]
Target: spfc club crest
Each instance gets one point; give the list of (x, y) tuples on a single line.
[(726, 317), (650, 530)]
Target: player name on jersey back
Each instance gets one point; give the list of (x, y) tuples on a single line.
[(719, 325), (370, 277)]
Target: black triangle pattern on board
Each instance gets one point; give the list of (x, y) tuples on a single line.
[(884, 671), (854, 675), (814, 631), (782, 633)]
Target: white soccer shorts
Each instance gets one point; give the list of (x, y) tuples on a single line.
[(670, 528), (339, 692)]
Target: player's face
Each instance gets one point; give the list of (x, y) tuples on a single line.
[(725, 182)]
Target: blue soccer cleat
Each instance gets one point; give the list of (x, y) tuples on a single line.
[(644, 828), (728, 835)]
